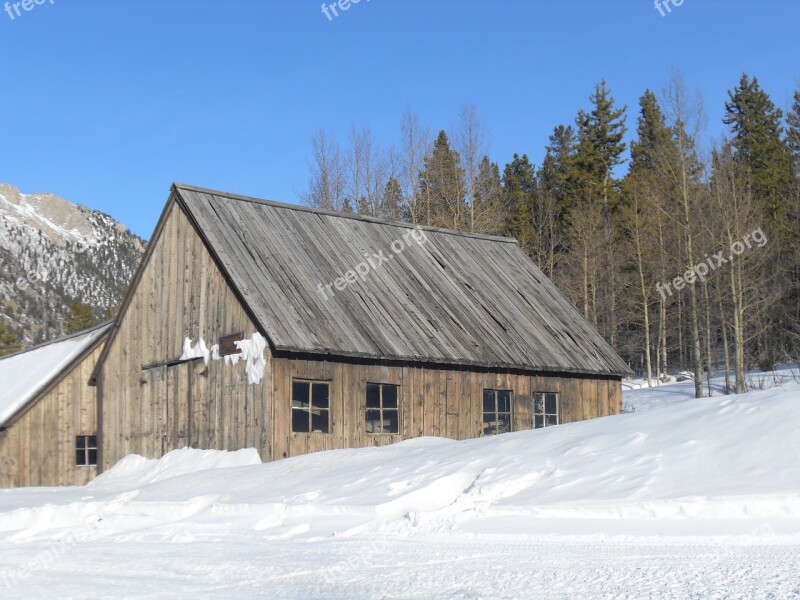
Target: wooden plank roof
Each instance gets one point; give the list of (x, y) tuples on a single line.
[(451, 298)]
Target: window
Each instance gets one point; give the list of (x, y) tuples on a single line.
[(227, 344), (496, 411), (310, 406), (382, 411), (545, 409), (86, 451)]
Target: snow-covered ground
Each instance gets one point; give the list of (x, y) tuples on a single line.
[(680, 498)]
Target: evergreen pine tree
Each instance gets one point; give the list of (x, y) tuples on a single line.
[(588, 216), (9, 343), (392, 201), (519, 185), (758, 139), (557, 164), (793, 133), (489, 207), (600, 144), (80, 317), (652, 143), (441, 185)]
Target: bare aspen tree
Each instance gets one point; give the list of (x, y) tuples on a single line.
[(326, 186), (732, 195), (415, 144), (368, 172), (686, 115), (471, 144)]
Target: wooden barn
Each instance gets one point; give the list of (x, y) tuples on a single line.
[(48, 412), (290, 330)]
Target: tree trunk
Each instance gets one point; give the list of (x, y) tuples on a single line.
[(707, 301)]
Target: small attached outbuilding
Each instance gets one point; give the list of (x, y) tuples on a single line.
[(291, 330), (48, 412)]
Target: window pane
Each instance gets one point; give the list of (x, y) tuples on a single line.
[(319, 423), (551, 404), (504, 423), (93, 457), (538, 404), (80, 442), (92, 441), (300, 393), (391, 422), (319, 393), (80, 458), (538, 421), (373, 421), (373, 395), (551, 420), (389, 396), (488, 401), (504, 401), (299, 420)]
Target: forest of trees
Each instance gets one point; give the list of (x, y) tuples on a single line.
[(611, 228)]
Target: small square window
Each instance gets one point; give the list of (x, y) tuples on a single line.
[(310, 406), (496, 411), (382, 413), (227, 344), (545, 410), (86, 451)]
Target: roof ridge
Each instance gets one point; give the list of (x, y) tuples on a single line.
[(63, 338), (353, 216)]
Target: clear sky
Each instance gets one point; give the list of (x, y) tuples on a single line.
[(106, 102)]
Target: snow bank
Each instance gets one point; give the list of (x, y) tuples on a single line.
[(730, 457), (661, 503), (136, 471)]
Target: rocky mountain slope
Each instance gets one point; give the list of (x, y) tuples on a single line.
[(53, 252)]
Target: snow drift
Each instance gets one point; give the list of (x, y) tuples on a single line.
[(723, 457), (682, 498)]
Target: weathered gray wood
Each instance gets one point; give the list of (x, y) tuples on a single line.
[(456, 299)]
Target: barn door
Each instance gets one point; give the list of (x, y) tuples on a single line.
[(170, 403), (178, 405)]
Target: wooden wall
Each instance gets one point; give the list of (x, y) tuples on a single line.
[(38, 447), (151, 404), (433, 402), (180, 293)]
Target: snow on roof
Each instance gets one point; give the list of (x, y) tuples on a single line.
[(25, 374)]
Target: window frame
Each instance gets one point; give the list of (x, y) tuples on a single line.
[(544, 414), (497, 412), (85, 444), (381, 408), (309, 408)]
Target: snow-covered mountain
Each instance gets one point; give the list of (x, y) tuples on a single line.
[(53, 252)]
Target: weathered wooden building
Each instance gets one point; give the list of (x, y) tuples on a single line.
[(48, 412), (291, 330)]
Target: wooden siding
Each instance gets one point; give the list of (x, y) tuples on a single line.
[(38, 447), (179, 293), (433, 402)]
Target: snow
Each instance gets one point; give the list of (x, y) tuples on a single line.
[(198, 350), (24, 374), (680, 498), (251, 351)]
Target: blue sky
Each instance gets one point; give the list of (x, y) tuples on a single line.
[(106, 102)]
